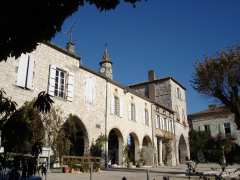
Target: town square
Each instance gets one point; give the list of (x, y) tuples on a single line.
[(120, 89)]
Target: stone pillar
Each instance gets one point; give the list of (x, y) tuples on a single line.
[(160, 152)]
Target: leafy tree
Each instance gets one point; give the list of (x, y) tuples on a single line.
[(7, 107), (43, 102), (31, 22), (96, 148), (24, 132), (219, 77), (72, 136), (219, 149), (53, 121)]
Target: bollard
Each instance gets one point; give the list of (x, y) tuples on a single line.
[(124, 178), (148, 174), (165, 177)]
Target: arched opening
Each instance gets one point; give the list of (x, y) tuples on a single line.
[(146, 154), (182, 150), (133, 147), (73, 137), (115, 142)]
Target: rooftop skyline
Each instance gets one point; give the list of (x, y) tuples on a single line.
[(168, 37)]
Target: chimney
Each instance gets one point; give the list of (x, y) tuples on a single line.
[(151, 86), (151, 75), (70, 47)]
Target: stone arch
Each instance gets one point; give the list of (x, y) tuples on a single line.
[(147, 151), (115, 146), (75, 136), (133, 147), (182, 150), (146, 141)]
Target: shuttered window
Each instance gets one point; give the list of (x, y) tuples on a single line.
[(116, 106), (133, 112), (146, 117), (61, 83)]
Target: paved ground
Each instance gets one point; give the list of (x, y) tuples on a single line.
[(133, 174), (103, 175)]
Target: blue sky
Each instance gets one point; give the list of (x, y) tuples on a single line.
[(168, 36)]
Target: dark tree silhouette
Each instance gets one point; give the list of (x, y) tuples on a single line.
[(44, 102), (219, 77), (26, 23), (7, 107)]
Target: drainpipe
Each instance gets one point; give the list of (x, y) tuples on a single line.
[(106, 117)]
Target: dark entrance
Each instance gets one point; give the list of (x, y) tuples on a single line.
[(113, 147)]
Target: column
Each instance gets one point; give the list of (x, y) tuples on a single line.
[(160, 148)]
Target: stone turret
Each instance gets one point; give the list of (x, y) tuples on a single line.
[(106, 65)]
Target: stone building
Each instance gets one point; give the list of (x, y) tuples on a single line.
[(216, 120), (149, 117)]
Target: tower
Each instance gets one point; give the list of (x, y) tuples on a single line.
[(106, 65)]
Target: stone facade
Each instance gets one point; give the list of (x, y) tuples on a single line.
[(104, 107), (216, 120)]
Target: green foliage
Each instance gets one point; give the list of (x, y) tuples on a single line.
[(7, 107), (219, 149), (24, 132), (219, 77), (72, 137), (43, 103), (96, 148), (32, 22)]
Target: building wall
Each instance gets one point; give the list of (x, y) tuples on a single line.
[(216, 123)]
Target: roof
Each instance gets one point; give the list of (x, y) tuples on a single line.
[(210, 111), (127, 88), (158, 81), (62, 50)]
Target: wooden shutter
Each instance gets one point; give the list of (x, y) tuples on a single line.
[(22, 70), (70, 87), (51, 84), (30, 72)]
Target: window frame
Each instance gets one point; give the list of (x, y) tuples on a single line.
[(57, 81)]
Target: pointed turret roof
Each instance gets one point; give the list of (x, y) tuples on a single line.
[(105, 57)]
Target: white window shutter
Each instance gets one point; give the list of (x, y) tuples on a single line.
[(112, 104), (70, 87), (30, 72), (121, 107), (129, 112), (22, 70), (93, 95), (52, 75), (144, 117)]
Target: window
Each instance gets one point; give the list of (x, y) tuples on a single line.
[(178, 93), (116, 106), (133, 112), (227, 128), (207, 128), (177, 113), (146, 117), (165, 124), (60, 84)]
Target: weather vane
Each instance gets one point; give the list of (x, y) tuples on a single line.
[(69, 33)]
